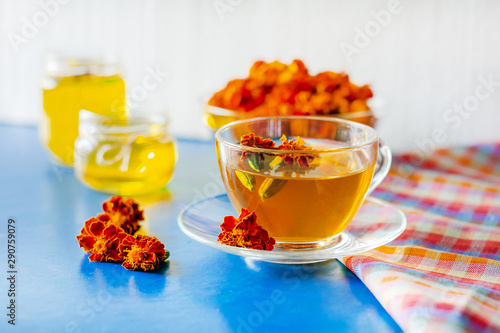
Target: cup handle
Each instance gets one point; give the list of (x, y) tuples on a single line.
[(384, 160)]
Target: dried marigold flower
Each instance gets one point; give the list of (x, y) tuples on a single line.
[(102, 239), (240, 95), (124, 213), (252, 140), (275, 88), (245, 232), (143, 253), (298, 144)]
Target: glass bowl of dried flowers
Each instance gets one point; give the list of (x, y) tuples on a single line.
[(277, 89)]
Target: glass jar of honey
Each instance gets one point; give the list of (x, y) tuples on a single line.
[(128, 156), (70, 85)]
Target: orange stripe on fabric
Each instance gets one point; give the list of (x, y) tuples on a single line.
[(432, 254), (383, 255)]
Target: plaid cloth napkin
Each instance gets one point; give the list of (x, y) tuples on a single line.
[(443, 273)]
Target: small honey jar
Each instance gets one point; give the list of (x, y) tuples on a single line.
[(70, 85), (127, 156)]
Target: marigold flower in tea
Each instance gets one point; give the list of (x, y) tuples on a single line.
[(252, 140), (245, 232), (275, 88), (255, 159), (102, 239), (297, 144), (124, 213), (143, 253)]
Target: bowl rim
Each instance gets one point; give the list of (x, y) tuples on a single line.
[(220, 140), (217, 110)]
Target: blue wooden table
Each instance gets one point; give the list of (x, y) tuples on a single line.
[(199, 290)]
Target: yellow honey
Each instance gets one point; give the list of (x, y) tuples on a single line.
[(128, 156), (70, 86)]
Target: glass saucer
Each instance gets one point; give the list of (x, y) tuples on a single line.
[(375, 224)]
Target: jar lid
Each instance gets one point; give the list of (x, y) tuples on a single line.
[(60, 66), (147, 124)]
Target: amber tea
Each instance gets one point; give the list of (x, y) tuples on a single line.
[(305, 177), (300, 208)]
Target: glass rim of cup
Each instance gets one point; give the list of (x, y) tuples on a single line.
[(372, 131)]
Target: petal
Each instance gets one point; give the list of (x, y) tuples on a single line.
[(87, 242), (288, 160), (221, 236), (96, 228), (128, 265), (104, 217), (243, 213), (157, 248), (114, 255), (252, 218), (303, 161), (229, 223), (110, 231), (88, 223), (141, 237), (84, 231), (96, 257)]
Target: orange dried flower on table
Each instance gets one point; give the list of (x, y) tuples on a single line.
[(124, 213), (105, 239), (245, 232), (102, 239), (143, 253)]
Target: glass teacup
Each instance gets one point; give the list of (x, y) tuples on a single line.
[(303, 198)]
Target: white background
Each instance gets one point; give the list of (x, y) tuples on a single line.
[(424, 61)]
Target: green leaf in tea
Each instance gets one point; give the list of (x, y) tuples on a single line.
[(254, 162), (271, 187), (276, 161), (247, 180)]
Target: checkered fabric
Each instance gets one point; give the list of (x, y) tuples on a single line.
[(443, 273)]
